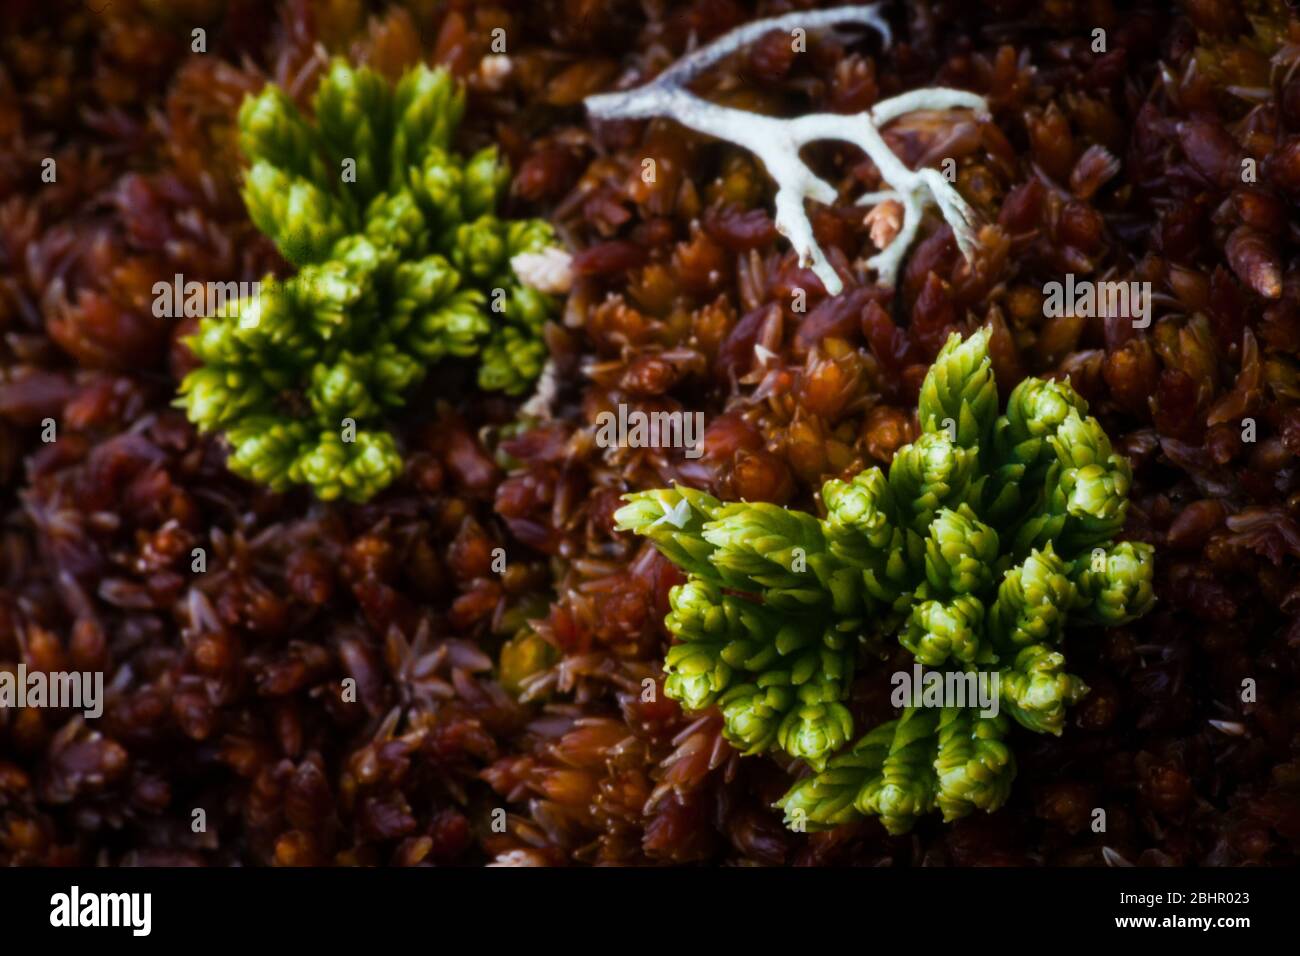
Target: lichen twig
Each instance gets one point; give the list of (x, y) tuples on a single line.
[(777, 142)]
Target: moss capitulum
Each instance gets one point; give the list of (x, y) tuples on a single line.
[(401, 263), (987, 537)]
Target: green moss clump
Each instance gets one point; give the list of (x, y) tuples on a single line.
[(401, 262), (987, 537)]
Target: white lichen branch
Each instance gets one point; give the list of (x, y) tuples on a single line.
[(777, 142)]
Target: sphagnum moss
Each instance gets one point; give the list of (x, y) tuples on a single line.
[(401, 263), (987, 537)]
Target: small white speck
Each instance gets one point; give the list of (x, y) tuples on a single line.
[(494, 69), (549, 271), (1232, 728)]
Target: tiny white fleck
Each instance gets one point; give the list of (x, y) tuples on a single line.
[(549, 271)]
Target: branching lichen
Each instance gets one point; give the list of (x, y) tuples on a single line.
[(985, 539), (401, 263), (777, 142)]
